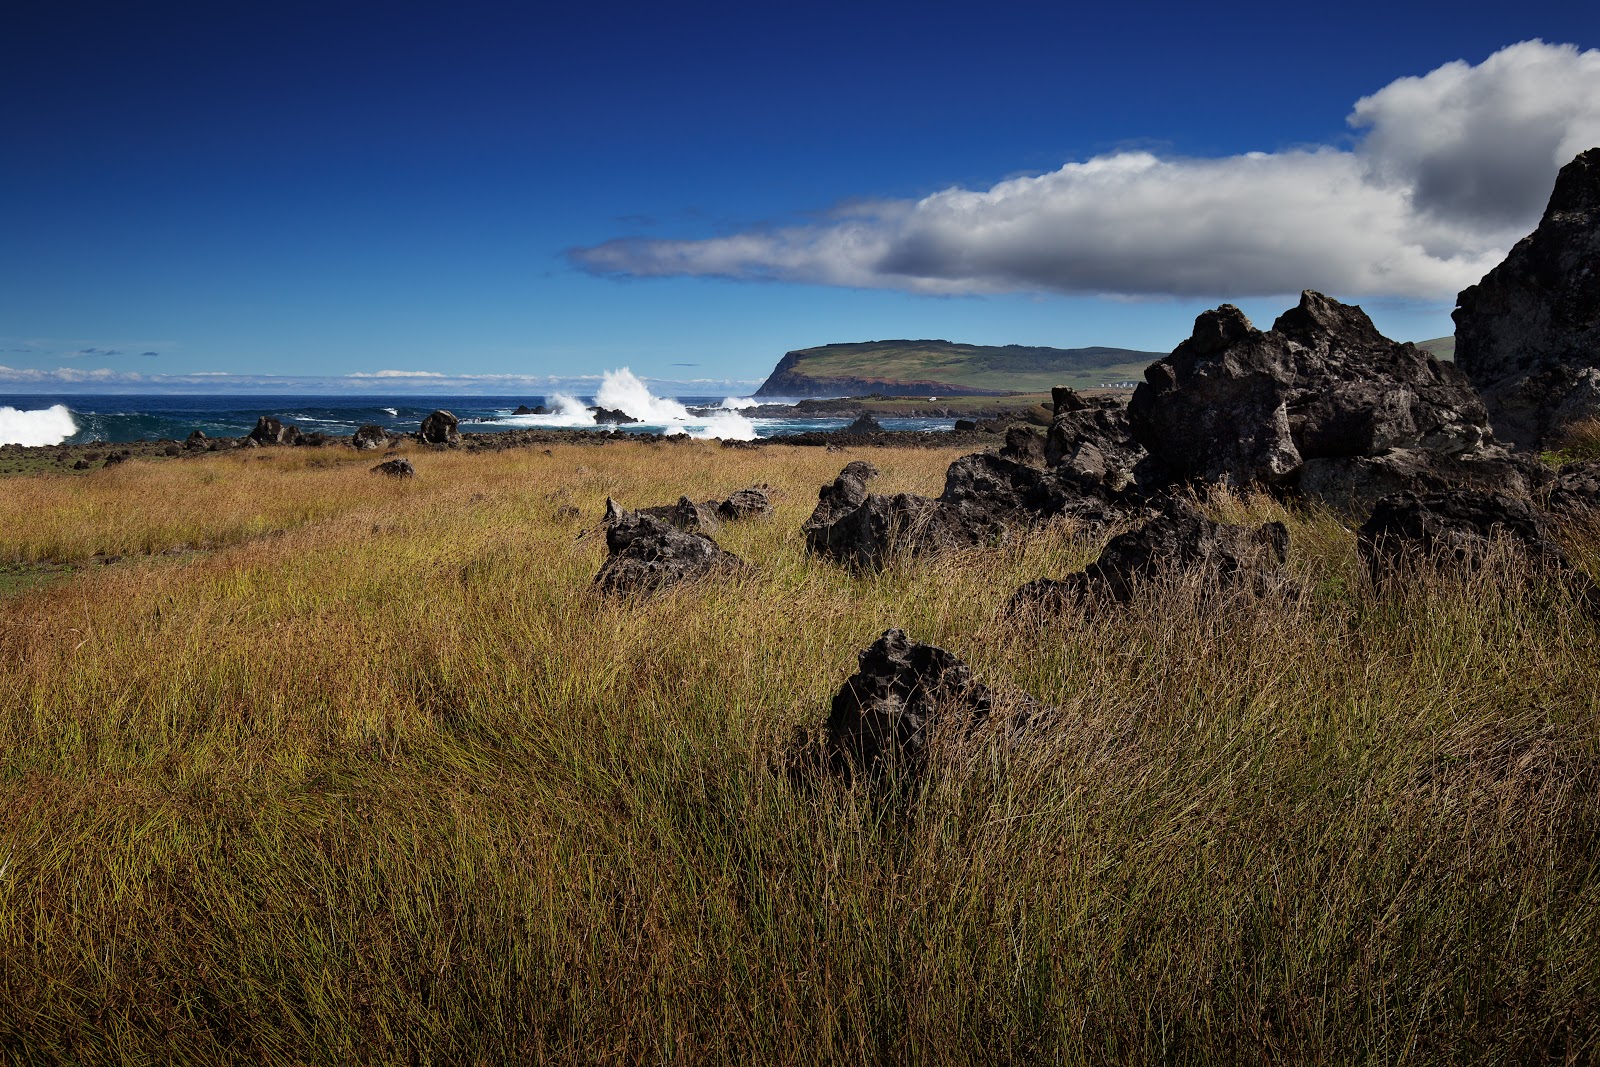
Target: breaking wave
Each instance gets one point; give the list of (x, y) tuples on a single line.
[(569, 414), (622, 391), (48, 426)]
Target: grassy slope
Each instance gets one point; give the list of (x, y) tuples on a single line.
[(1011, 367), (1440, 347), (378, 778)]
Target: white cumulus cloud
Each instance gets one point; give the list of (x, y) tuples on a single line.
[(1449, 169)]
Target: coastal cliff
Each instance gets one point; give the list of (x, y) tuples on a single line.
[(942, 368)]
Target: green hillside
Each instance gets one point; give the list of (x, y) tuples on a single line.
[(1440, 347), (910, 368)]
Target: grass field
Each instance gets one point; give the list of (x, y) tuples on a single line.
[(330, 768)]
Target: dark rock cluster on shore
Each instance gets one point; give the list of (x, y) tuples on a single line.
[(1320, 408), (1320, 392)]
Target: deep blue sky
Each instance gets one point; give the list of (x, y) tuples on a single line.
[(324, 188)]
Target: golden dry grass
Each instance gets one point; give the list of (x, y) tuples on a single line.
[(1580, 440), (377, 777)]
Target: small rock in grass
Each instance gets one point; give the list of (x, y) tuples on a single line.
[(396, 468), (904, 692), (646, 553)]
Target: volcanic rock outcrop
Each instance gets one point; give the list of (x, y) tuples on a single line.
[(396, 468), (903, 693), (987, 494), (439, 428), (613, 415), (1356, 483), (867, 536), (1574, 490), (270, 431), (370, 436), (746, 504), (1179, 543), (1528, 334), (1092, 443), (1454, 529), (686, 514), (1233, 404), (646, 553), (984, 495), (1024, 445)]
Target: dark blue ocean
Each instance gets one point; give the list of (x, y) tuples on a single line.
[(134, 417)]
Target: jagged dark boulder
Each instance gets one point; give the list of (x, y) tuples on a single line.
[(270, 431), (841, 496), (196, 441), (1528, 334), (1025, 446), (646, 553), (990, 494), (864, 423), (1236, 405), (439, 428), (369, 437), (537, 409), (984, 496), (1454, 529), (1574, 490), (881, 527), (688, 515), (683, 515), (903, 694), (1179, 543), (746, 503), (396, 468), (1091, 442), (616, 416), (1355, 484)]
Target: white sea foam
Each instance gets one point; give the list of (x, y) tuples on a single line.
[(729, 426), (623, 391), (47, 426), (393, 412), (739, 403), (569, 414)]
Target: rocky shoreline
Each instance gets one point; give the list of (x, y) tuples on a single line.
[(21, 459), (977, 426)]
